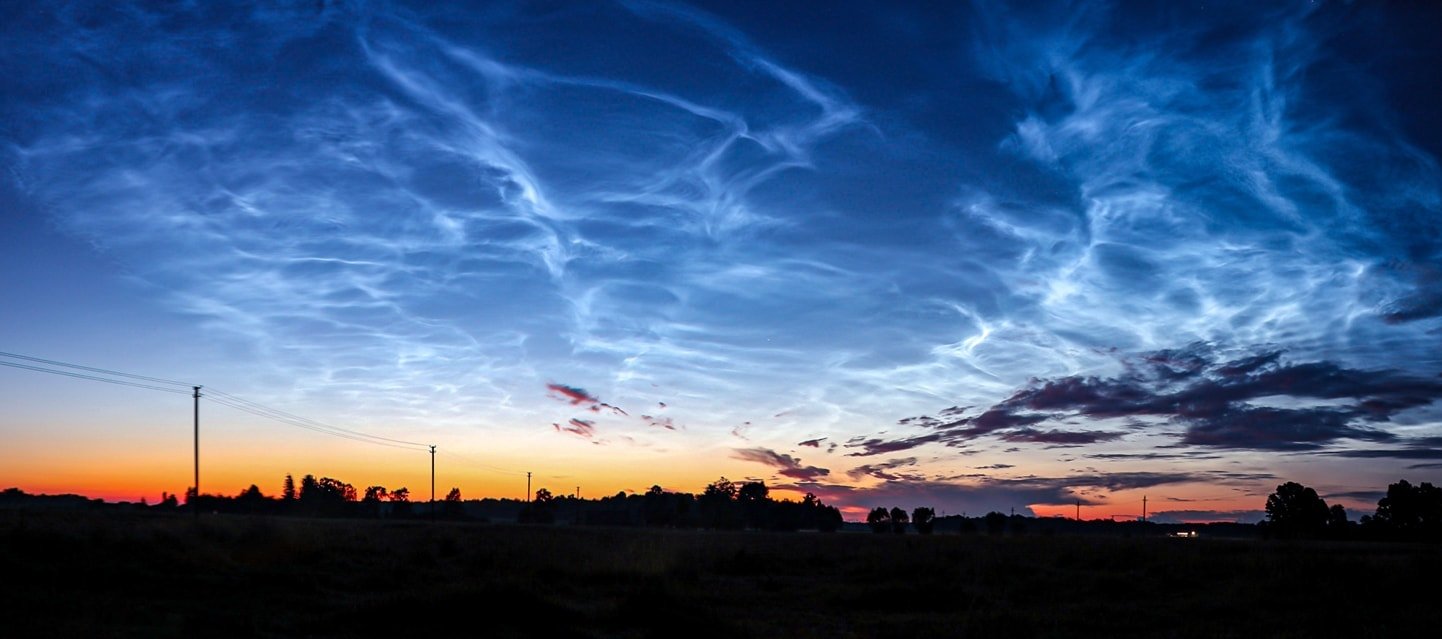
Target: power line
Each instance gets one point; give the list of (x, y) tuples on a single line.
[(351, 435), (93, 369), (283, 415), (473, 462), (94, 378)]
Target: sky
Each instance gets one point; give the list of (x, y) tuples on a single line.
[(989, 256)]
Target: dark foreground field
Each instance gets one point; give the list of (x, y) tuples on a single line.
[(122, 575)]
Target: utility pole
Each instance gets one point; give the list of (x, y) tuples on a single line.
[(1144, 508), (528, 486), (1078, 510), (433, 482), (578, 492), (195, 499)]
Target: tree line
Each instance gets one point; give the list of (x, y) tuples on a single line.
[(722, 505), (316, 497), (1407, 513)]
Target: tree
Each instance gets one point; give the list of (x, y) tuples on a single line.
[(924, 519), (995, 523), (899, 519), (752, 491), (309, 488), (657, 508), (250, 499), (336, 490), (287, 491), (879, 519), (541, 510), (1410, 510), (1337, 518), (374, 494), (721, 489), (401, 494), (1296, 510), (453, 506), (755, 507), (718, 505)]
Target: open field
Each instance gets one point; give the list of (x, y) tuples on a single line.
[(142, 575)]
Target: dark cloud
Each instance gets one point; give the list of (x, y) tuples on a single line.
[(1211, 397), (882, 470), (880, 446), (1277, 429), (1151, 456), (580, 427), (596, 408), (1388, 453), (1370, 496), (995, 467), (572, 395), (1059, 437), (813, 443), (578, 396), (785, 465), (663, 422), (1414, 448)]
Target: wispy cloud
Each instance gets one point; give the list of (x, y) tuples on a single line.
[(886, 470), (572, 395), (1216, 400), (576, 426), (785, 465)]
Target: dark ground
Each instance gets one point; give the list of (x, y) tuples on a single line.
[(145, 575)]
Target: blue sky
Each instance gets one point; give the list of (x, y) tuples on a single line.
[(982, 254)]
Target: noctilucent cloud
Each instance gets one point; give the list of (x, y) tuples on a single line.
[(974, 257)]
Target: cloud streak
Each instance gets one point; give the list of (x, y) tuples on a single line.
[(1216, 400), (784, 465)]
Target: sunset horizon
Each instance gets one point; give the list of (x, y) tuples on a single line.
[(974, 257)]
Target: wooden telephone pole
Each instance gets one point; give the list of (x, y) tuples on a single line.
[(195, 497)]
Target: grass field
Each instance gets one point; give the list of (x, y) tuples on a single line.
[(142, 575)]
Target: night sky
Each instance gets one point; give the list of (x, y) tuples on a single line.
[(1009, 255)]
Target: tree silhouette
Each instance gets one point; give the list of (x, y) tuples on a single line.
[(718, 505), (995, 523), (308, 488), (899, 519), (1337, 518), (541, 510), (287, 491), (1410, 511), (1296, 510), (879, 519), (374, 494), (656, 507), (751, 497), (720, 489), (924, 519), (401, 494), (452, 507)]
